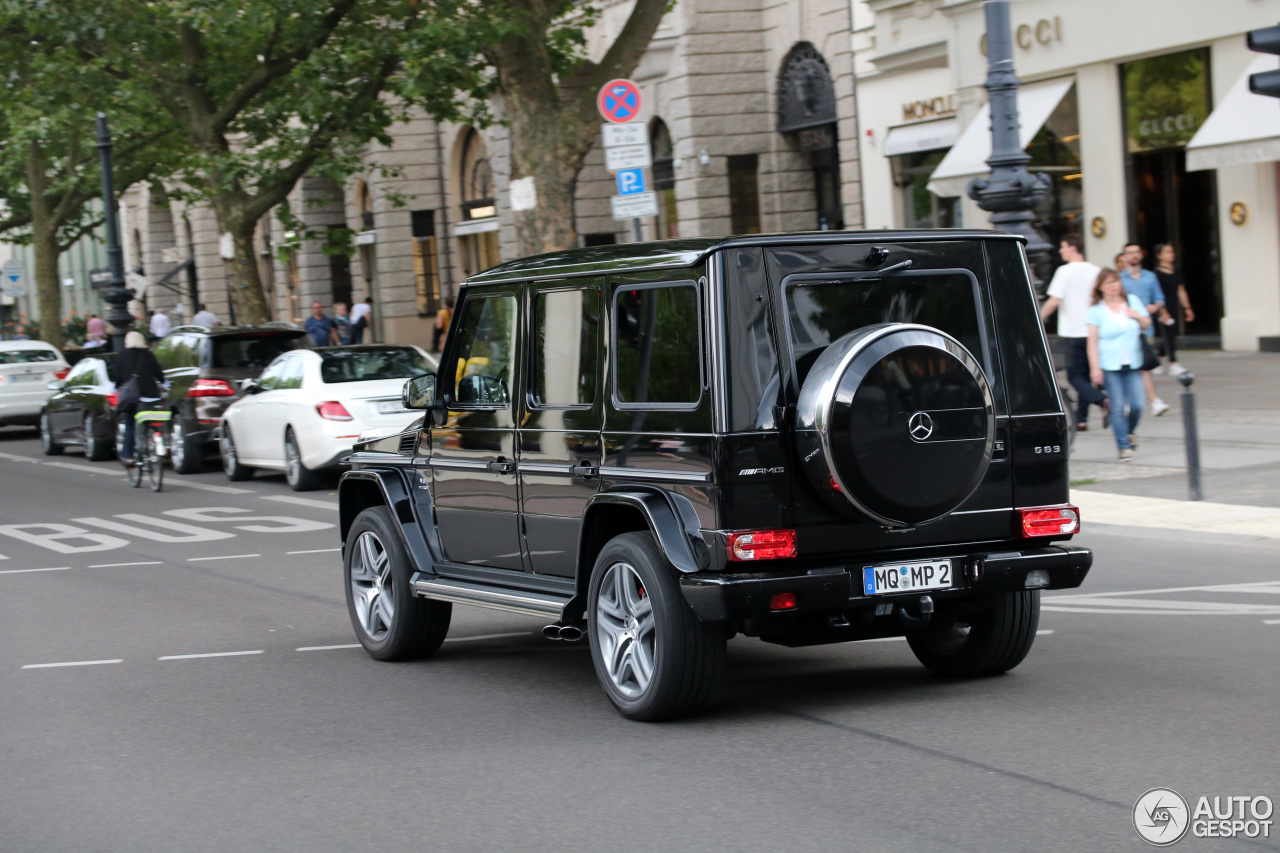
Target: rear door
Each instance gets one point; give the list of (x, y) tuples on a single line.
[(559, 433), (473, 457)]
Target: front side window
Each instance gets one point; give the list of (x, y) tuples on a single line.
[(272, 378), (657, 346), (485, 367), (565, 354)]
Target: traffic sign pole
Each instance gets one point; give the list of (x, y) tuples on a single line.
[(626, 151)]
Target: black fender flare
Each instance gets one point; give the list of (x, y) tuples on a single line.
[(671, 518), (354, 490)]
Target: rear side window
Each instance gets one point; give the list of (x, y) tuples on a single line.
[(657, 346), (252, 352), (567, 324), (26, 356), (368, 364), (84, 373)]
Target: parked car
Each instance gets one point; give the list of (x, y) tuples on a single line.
[(805, 438), (306, 410), (204, 368), (82, 410), (26, 369)]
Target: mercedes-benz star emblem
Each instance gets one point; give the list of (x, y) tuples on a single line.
[(920, 426)]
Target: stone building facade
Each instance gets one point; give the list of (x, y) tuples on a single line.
[(750, 109)]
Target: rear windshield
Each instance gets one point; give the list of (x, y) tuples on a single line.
[(820, 312), (251, 351), (26, 356), (367, 364)]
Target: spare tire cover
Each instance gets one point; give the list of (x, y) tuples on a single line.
[(896, 422)]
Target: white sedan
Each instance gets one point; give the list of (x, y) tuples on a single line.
[(26, 369), (302, 415)]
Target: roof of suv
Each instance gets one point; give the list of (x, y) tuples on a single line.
[(685, 253), (219, 331)]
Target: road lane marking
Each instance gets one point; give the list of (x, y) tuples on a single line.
[(112, 469), (311, 502), (1136, 603), (210, 655), (316, 551), (25, 571), (72, 663), (327, 648), (490, 637), (1271, 621), (228, 557), (114, 565)]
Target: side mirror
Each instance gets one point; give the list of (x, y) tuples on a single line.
[(419, 392), (250, 386), (57, 385)]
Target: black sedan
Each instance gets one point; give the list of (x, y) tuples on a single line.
[(82, 412)]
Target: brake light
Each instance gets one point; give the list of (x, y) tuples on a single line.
[(62, 374), (332, 410), (762, 545), (211, 388), (1050, 521), (113, 399)]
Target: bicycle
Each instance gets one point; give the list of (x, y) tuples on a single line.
[(149, 448)]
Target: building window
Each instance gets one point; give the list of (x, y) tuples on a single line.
[(1055, 151), (599, 238), (478, 231), (664, 179), (364, 204), (744, 194), (807, 112), (426, 263), (921, 208)]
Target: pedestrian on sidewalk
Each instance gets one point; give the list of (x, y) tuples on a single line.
[(1116, 322), (1176, 302), (160, 324), (205, 317), (321, 328), (360, 317), (1070, 294), (443, 316), (1143, 284), (342, 322)]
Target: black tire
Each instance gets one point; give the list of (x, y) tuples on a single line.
[(994, 641), (155, 466), (48, 443), (97, 447), (687, 655), (186, 455), (230, 459), (135, 470), (417, 626), (299, 476)]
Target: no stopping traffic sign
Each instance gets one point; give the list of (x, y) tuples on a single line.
[(619, 101)]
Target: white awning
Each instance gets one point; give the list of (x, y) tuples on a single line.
[(475, 226), (924, 136), (967, 159), (1243, 128)]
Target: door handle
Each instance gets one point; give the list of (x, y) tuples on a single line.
[(502, 466), (584, 471)]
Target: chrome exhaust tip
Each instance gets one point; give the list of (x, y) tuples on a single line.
[(552, 632), (572, 633)]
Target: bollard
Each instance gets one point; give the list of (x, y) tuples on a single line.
[(1192, 437)]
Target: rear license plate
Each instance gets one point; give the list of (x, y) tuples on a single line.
[(390, 407), (906, 577), (26, 377)]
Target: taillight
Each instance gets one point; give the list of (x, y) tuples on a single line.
[(62, 374), (113, 399), (1050, 521), (211, 388), (333, 411), (782, 601), (762, 545)]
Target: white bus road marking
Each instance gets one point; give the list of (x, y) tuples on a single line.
[(316, 551), (311, 502), (72, 663), (115, 565), (25, 571), (1136, 603), (211, 655), (227, 557)]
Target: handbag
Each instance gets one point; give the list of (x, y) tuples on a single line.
[(1149, 359), (128, 395)]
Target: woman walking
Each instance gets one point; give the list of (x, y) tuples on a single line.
[(1177, 303), (1115, 323)]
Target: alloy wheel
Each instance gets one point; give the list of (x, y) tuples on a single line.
[(228, 452), (292, 460), (177, 446), (372, 586), (625, 630)]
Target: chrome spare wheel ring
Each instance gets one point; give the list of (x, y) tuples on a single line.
[(625, 630), (372, 586)]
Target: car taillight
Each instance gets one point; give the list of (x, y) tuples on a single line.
[(1050, 521), (333, 411), (761, 545), (113, 399), (211, 388), (62, 374)]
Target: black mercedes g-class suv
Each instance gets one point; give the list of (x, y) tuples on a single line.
[(806, 438)]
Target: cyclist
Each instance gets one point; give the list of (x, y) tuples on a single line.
[(139, 363)]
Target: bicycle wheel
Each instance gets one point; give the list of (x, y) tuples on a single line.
[(139, 461), (155, 461)]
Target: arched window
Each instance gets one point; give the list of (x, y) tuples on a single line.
[(807, 110), (664, 179), (476, 178)]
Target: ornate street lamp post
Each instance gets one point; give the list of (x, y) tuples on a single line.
[(1010, 191), (116, 295)]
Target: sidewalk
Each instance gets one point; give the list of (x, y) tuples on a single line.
[(1238, 408)]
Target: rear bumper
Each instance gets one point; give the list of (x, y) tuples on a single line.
[(23, 407), (719, 597)]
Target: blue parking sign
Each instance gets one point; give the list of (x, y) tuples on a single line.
[(630, 181)]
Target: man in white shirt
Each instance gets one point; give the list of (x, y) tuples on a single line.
[(160, 324), (360, 319), (205, 317), (1071, 294)]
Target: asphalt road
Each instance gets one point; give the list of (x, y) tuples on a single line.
[(289, 739)]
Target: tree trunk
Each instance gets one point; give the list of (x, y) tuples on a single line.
[(542, 154), (44, 245), (246, 290)]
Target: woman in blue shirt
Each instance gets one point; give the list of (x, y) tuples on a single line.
[(1115, 323)]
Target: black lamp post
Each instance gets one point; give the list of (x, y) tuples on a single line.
[(116, 295), (1010, 191)]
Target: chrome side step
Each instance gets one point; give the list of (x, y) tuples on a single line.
[(483, 595)]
